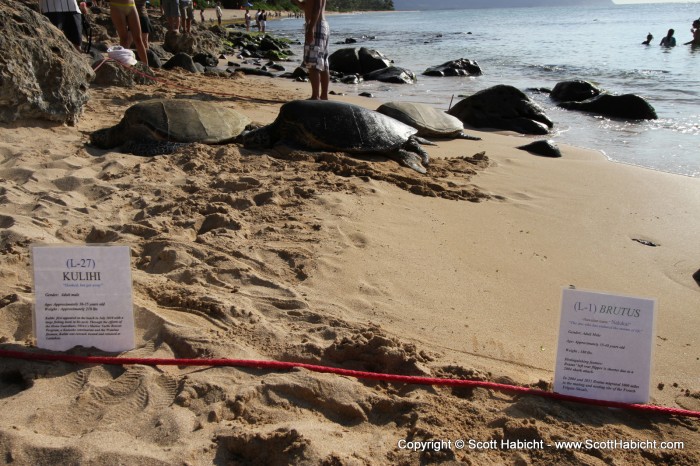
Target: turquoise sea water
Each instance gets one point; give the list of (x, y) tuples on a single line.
[(538, 47)]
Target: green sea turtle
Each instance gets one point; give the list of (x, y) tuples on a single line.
[(160, 126), (429, 121), (343, 127)]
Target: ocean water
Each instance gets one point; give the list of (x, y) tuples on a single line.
[(538, 47)]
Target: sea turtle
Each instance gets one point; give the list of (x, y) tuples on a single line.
[(337, 126), (429, 121), (160, 126)]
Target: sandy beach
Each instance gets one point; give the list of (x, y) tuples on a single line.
[(356, 263)]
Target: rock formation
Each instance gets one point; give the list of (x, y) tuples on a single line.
[(42, 75)]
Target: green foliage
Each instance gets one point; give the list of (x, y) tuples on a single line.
[(360, 5), (333, 5), (287, 5)]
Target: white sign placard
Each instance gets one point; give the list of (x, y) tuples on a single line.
[(82, 296), (605, 346)]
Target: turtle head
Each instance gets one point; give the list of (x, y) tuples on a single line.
[(102, 138), (258, 138)]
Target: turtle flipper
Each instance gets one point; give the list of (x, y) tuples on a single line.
[(151, 148), (423, 141), (410, 160), (469, 137), (413, 145)]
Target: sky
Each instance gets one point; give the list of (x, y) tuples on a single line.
[(653, 1)]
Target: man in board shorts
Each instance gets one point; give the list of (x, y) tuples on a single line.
[(317, 33)]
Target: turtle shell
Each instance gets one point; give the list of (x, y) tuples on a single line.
[(339, 126), (429, 121), (173, 120)]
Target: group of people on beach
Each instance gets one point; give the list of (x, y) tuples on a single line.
[(128, 16), (133, 26), (670, 41)]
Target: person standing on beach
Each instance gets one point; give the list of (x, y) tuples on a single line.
[(146, 28), (247, 20), (125, 18), (317, 33), (65, 15), (219, 13), (171, 10), (669, 40), (186, 15)]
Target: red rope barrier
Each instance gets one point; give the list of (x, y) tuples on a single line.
[(394, 378), (278, 365)]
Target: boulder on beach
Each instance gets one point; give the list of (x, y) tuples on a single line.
[(543, 147), (354, 60), (42, 75), (392, 74), (114, 74), (574, 91), (181, 60), (205, 59), (345, 60), (502, 107), (459, 67), (627, 106), (202, 42)]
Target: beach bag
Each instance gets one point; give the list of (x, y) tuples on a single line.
[(122, 55)]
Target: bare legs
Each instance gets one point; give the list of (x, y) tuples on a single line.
[(319, 82), (120, 23)]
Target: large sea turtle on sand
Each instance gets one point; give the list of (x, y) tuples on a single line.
[(160, 126), (343, 127), (429, 121)]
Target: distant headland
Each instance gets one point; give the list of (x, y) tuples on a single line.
[(461, 4)]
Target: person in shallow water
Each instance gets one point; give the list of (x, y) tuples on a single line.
[(669, 40), (696, 33), (649, 39)]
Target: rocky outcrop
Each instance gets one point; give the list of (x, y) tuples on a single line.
[(357, 60), (181, 60), (574, 91), (113, 74), (42, 75), (502, 107), (459, 67), (203, 42), (254, 46), (627, 106)]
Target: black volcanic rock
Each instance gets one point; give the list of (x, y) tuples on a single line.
[(627, 106), (392, 74), (460, 67), (502, 107), (543, 147), (354, 60), (575, 91)]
